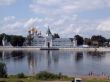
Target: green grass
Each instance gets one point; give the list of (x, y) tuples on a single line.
[(97, 81), (19, 80), (42, 77), (31, 79), (50, 76)]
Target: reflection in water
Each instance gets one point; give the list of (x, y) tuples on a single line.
[(31, 62), (96, 55), (17, 55), (78, 56), (14, 55), (48, 53), (55, 58), (0, 55), (67, 62)]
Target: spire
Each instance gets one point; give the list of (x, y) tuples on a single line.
[(48, 31)]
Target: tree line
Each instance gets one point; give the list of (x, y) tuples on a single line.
[(14, 40), (95, 40)]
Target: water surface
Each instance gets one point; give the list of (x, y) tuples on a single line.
[(66, 62)]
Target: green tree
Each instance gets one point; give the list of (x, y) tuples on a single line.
[(87, 41), (1, 37), (1, 40), (56, 35), (79, 39), (13, 39), (46, 76), (100, 39), (17, 40)]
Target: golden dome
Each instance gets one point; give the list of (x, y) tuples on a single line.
[(32, 30)]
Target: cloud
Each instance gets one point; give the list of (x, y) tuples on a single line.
[(61, 16), (31, 22), (8, 18), (15, 26), (58, 7), (104, 26), (11, 25), (14, 29), (7, 2), (65, 27)]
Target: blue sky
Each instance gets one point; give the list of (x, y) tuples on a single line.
[(66, 17)]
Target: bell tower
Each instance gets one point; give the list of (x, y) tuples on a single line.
[(48, 38)]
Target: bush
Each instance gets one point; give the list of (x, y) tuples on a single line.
[(46, 76), (20, 75), (2, 81), (20, 81), (3, 70)]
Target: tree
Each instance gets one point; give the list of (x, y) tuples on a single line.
[(17, 40), (56, 35), (1, 37), (1, 40), (3, 70), (79, 39), (98, 38), (87, 41), (13, 39), (71, 39)]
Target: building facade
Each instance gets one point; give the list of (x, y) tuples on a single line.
[(36, 39)]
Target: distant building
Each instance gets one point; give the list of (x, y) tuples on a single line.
[(95, 43), (36, 39)]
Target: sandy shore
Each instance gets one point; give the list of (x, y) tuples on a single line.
[(18, 48), (86, 49)]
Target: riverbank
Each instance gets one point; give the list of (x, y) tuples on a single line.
[(51, 77), (36, 48), (30, 79), (87, 49)]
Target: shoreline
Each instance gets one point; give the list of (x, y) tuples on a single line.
[(70, 49)]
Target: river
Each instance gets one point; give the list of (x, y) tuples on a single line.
[(58, 61)]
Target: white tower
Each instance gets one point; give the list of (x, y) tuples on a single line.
[(48, 38), (4, 41), (74, 42)]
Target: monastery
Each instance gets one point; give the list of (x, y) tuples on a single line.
[(36, 39)]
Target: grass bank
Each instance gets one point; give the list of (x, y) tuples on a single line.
[(96, 81), (40, 77), (45, 77), (34, 80)]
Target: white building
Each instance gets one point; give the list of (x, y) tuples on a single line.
[(38, 40), (5, 42)]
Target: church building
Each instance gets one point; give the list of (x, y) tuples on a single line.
[(36, 39)]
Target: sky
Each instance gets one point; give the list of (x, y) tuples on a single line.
[(65, 17)]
